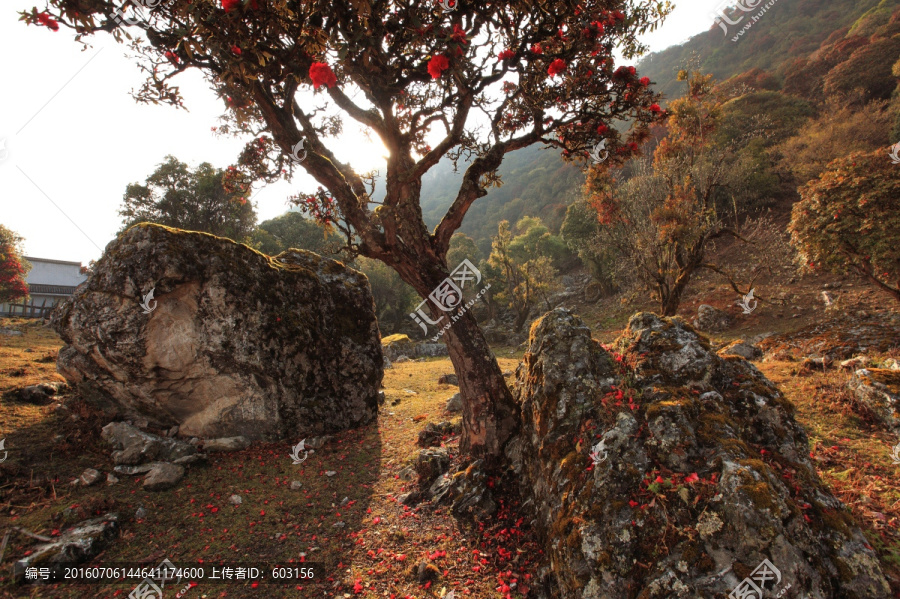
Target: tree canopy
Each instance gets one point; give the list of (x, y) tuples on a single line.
[(198, 200)]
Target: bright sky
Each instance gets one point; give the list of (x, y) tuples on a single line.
[(74, 137)]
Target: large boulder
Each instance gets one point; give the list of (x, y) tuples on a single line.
[(677, 475), (233, 343)]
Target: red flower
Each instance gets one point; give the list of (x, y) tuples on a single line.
[(236, 50), (171, 56), (437, 65), (536, 48), (645, 81), (601, 129), (655, 108), (48, 21), (691, 478), (556, 67), (458, 35), (321, 74), (507, 54), (230, 5)]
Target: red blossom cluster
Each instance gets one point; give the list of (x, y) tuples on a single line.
[(321, 74), (507, 54), (437, 65), (320, 206), (47, 21), (556, 67)]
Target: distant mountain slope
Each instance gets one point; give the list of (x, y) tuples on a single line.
[(789, 29), (536, 182)]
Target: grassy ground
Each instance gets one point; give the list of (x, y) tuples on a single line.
[(372, 555), (377, 551)]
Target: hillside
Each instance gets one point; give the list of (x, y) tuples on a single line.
[(788, 30), (536, 182)]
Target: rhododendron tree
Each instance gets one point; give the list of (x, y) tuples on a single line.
[(662, 220), (13, 267), (847, 220), (403, 71)]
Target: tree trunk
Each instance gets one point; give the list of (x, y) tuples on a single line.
[(490, 415), (521, 319)]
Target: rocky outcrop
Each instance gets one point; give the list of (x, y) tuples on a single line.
[(666, 471), (229, 342), (879, 390)]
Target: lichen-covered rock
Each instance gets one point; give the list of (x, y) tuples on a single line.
[(740, 348), (394, 346), (879, 390), (232, 343), (666, 471), (711, 319)]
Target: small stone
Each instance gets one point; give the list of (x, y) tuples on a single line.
[(296, 485), (141, 423), (111, 478), (338, 524), (89, 477), (854, 363), (236, 500), (410, 392), (172, 431), (140, 513), (318, 442), (454, 404), (163, 476), (345, 501), (226, 444), (381, 398), (401, 360), (330, 473), (448, 379)]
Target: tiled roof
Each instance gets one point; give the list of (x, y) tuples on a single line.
[(50, 289)]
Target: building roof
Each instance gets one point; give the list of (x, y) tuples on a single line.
[(38, 289), (49, 261)]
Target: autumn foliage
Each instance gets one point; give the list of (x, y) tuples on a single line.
[(848, 218), (12, 271)]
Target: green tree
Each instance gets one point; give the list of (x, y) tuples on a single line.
[(13, 267), (293, 230), (848, 219), (196, 200), (406, 73), (394, 299), (520, 271)]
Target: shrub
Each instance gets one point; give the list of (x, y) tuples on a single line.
[(847, 220)]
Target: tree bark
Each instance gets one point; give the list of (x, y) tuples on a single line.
[(490, 415)]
